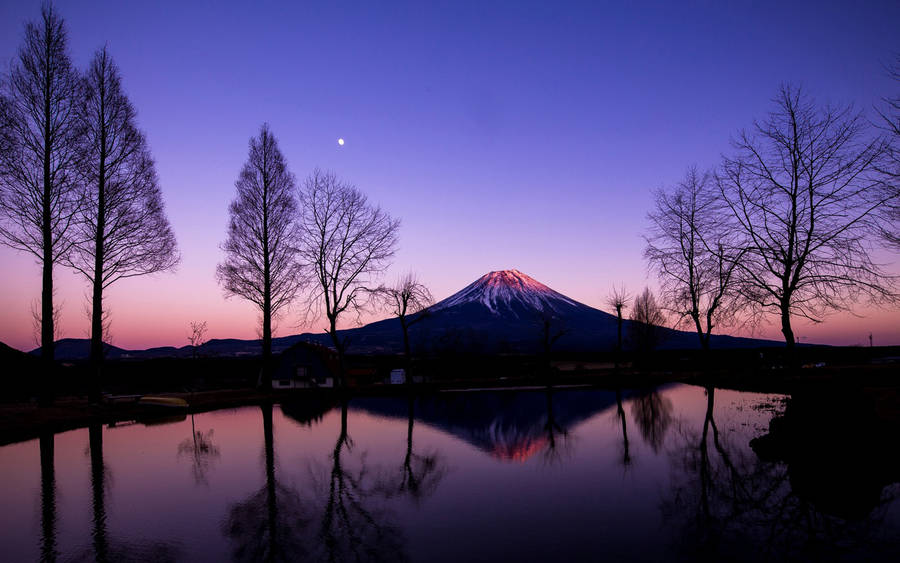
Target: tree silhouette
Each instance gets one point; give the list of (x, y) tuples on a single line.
[(618, 300), (272, 524), (690, 246), (201, 450), (803, 191), (408, 300), (197, 337), (350, 528), (347, 243), (122, 228), (420, 474), (98, 492), (38, 152), (48, 498), (626, 458), (647, 319), (652, 413), (889, 167), (260, 253)]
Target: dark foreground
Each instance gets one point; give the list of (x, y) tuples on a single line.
[(674, 472)]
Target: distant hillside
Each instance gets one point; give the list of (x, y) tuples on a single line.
[(502, 311)]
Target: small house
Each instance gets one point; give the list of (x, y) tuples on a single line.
[(305, 365)]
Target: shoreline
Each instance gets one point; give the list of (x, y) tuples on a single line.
[(879, 384)]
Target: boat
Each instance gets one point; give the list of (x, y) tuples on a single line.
[(167, 402)]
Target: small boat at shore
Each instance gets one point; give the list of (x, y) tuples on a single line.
[(166, 402)]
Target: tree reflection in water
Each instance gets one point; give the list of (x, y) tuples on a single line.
[(269, 525), (557, 438), (338, 516), (652, 413), (625, 459), (727, 503), (48, 498), (420, 474), (201, 451), (353, 527), (104, 549)]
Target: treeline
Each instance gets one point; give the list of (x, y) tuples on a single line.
[(790, 223), (78, 188), (78, 185)]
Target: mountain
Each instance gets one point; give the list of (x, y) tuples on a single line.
[(500, 312), (508, 311)]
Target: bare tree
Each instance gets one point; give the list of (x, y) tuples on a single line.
[(197, 337), (38, 144), (122, 230), (690, 247), (647, 319), (802, 190), (889, 167), (347, 243), (408, 300), (552, 327), (260, 259), (618, 300)]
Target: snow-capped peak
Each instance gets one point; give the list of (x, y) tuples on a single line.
[(505, 287)]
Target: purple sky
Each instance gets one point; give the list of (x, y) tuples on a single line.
[(504, 136)]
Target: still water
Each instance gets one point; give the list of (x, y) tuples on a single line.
[(537, 475)]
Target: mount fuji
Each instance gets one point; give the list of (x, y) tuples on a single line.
[(508, 311)]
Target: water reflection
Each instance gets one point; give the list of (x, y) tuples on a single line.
[(721, 475), (625, 457), (653, 414), (353, 526), (269, 524), (508, 425), (98, 491), (730, 503), (202, 452), (420, 473), (48, 498)]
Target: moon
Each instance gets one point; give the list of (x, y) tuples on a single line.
[(341, 141)]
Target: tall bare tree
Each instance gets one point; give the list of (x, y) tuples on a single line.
[(802, 189), (347, 242), (690, 247), (38, 143), (260, 255), (122, 229), (408, 299)]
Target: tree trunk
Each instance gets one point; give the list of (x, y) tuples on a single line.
[(406, 352), (267, 342), (340, 350), (96, 356), (786, 327), (619, 336)]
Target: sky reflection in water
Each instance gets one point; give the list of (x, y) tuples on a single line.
[(528, 475)]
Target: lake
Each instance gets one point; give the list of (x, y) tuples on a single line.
[(674, 473)]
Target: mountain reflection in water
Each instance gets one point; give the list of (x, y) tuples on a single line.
[(675, 473)]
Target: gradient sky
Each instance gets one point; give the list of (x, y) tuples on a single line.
[(504, 135)]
